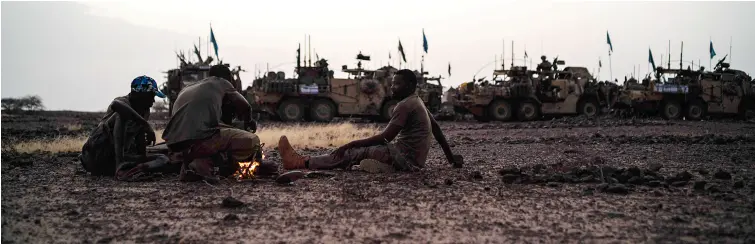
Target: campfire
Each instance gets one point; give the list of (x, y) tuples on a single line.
[(247, 169)]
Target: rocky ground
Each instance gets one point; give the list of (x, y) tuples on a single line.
[(560, 180)]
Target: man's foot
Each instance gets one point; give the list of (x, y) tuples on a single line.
[(289, 157), (374, 166)]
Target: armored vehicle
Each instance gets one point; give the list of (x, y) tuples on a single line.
[(527, 94), (316, 95), (693, 94), (188, 74)]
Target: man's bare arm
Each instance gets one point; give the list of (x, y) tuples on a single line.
[(242, 108), (390, 132), (126, 112), (438, 134)]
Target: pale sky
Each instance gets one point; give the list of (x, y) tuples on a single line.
[(79, 56)]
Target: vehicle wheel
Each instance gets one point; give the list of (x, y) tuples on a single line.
[(291, 110), (322, 111), (500, 110), (588, 108), (387, 110), (671, 110), (528, 111), (696, 110)]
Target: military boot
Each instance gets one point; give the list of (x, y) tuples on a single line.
[(289, 157)]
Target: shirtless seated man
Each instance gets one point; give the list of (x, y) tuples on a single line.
[(411, 125), (117, 146)]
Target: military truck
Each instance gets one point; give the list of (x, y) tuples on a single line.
[(693, 94), (190, 73), (316, 95), (527, 94)]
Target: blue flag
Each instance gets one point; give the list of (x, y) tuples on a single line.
[(712, 52), (608, 39), (650, 58), (424, 40), (214, 42)]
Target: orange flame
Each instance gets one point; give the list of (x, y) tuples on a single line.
[(247, 169)]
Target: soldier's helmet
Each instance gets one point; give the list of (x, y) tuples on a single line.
[(542, 57)]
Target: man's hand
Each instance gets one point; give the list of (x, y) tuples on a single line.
[(338, 153), (457, 161), (149, 135), (251, 125)]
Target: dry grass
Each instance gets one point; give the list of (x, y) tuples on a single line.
[(73, 127), (61, 144), (312, 136), (300, 136)]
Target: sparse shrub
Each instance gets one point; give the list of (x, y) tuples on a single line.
[(27, 103)]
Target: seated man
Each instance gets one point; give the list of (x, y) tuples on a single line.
[(411, 125), (118, 146), (198, 132)]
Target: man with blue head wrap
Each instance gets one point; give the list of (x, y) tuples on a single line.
[(118, 145)]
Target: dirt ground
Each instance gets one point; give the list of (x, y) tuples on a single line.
[(563, 180)]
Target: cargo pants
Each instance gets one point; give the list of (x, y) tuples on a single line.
[(220, 153), (387, 154)]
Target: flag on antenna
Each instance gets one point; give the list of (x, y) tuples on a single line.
[(712, 52), (424, 40), (650, 58), (401, 49), (525, 54), (608, 40), (449, 68), (600, 64), (214, 42)]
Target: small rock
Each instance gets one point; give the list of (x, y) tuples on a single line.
[(728, 198), (37, 221), (713, 188), (655, 167), (612, 180), (654, 183), (722, 175), (682, 176), (657, 193), (703, 171), (231, 217), (449, 182), (477, 175), (538, 168), (552, 184), (487, 188), (510, 170), (510, 178), (72, 213), (230, 202), (699, 185), (636, 180), (739, 184), (678, 183), (634, 171), (617, 189), (678, 219)]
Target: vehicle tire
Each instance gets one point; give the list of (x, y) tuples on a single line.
[(528, 111), (588, 107), (291, 110), (387, 111), (696, 110), (671, 110), (500, 110), (322, 111)]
